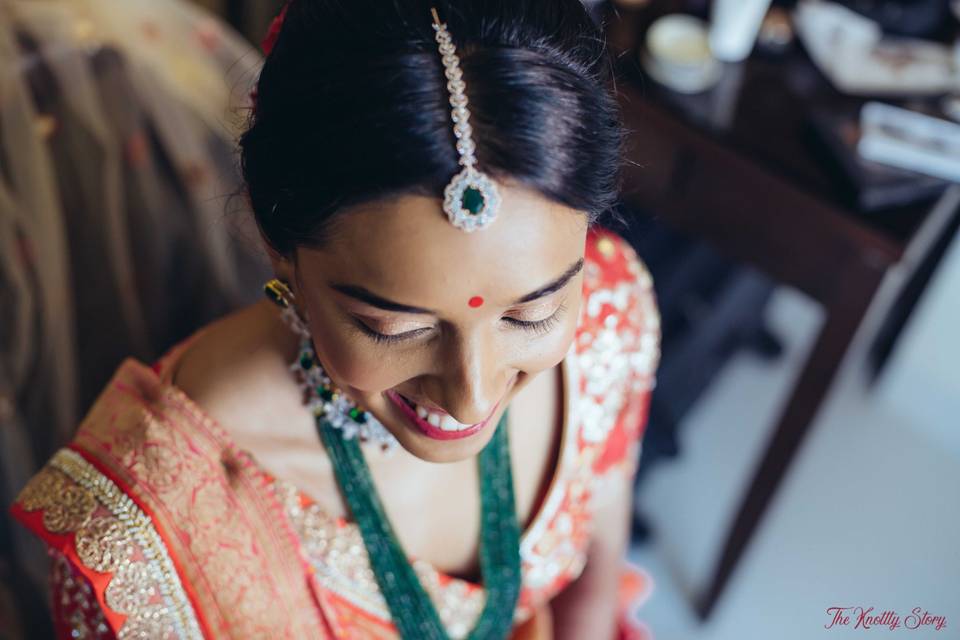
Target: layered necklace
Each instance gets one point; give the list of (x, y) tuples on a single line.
[(471, 202), (342, 426)]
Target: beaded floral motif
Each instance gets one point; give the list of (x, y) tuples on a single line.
[(66, 506), (617, 349), (103, 545), (112, 535)]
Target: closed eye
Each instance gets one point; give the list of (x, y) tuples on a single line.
[(539, 327), (385, 338)]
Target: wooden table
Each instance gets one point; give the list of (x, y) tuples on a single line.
[(736, 168)]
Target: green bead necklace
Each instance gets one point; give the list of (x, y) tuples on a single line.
[(411, 609)]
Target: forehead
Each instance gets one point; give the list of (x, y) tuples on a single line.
[(405, 246)]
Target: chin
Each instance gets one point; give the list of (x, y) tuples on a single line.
[(431, 444), (442, 451)]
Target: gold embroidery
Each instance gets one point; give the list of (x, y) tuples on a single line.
[(151, 622), (218, 516), (72, 509), (147, 590), (131, 588), (103, 544), (41, 490), (458, 605), (338, 554)]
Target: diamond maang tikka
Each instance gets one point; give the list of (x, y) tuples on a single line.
[(471, 200)]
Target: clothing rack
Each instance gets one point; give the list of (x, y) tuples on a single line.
[(121, 229)]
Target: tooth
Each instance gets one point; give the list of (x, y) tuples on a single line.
[(449, 424), (423, 413), (434, 419)]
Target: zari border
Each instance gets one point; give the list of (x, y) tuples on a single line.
[(341, 566), (139, 526)]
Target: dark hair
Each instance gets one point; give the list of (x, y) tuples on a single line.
[(352, 106)]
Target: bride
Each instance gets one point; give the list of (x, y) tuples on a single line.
[(430, 425)]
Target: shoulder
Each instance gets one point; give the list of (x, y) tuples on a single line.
[(235, 372), (613, 261), (617, 350), (224, 355), (619, 311)]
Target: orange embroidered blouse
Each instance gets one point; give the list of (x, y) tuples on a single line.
[(160, 527)]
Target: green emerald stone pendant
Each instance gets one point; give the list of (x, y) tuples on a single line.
[(471, 200)]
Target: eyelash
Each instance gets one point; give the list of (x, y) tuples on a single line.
[(382, 338), (540, 327)]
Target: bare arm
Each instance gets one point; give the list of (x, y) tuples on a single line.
[(587, 609)]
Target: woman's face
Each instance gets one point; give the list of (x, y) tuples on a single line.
[(433, 329)]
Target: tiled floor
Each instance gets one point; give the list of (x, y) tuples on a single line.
[(868, 515)]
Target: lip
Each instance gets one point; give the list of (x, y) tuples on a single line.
[(435, 432)]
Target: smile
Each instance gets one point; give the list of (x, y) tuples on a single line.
[(433, 424)]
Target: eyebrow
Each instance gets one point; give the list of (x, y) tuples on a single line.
[(372, 299)]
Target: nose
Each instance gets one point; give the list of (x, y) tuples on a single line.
[(472, 380)]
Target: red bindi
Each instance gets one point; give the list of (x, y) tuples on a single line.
[(476, 301)]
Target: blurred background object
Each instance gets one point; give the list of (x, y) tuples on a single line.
[(918, 18), (910, 140), (677, 53), (776, 31), (854, 53), (119, 208), (734, 26), (801, 253)]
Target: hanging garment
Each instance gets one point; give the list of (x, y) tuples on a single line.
[(33, 207), (87, 173), (198, 60), (97, 227)]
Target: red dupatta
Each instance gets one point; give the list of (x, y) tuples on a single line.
[(172, 526)]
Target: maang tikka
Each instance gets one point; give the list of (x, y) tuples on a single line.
[(323, 399), (471, 200)]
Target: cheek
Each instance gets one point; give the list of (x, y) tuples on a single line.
[(353, 361), (546, 352)]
